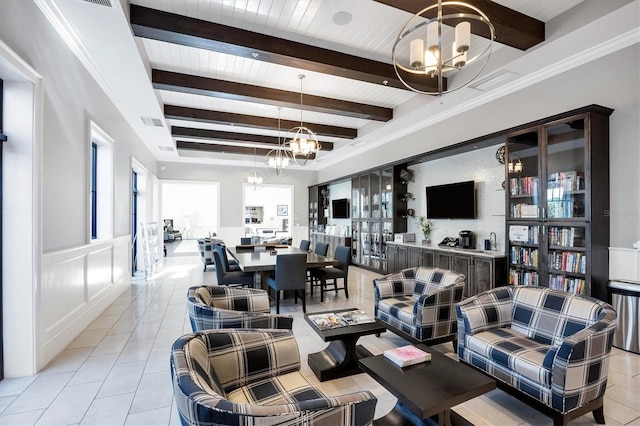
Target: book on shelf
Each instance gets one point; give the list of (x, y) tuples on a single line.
[(407, 355), (333, 320)]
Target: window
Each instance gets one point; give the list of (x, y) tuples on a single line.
[(94, 192), (100, 183)]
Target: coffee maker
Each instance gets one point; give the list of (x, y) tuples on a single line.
[(466, 239)]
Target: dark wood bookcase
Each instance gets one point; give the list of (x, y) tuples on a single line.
[(557, 202)]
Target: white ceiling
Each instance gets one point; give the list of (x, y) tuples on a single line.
[(121, 63)]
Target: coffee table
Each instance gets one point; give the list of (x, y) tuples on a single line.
[(340, 358), (427, 391)]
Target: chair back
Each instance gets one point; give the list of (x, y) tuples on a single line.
[(219, 265), (304, 245), (343, 256), (245, 241), (291, 271), (223, 257), (321, 249)]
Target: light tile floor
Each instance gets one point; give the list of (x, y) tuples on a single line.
[(116, 372)]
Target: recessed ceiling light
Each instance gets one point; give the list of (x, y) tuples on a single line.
[(342, 18)]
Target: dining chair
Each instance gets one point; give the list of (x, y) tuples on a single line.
[(305, 244), (230, 265), (320, 276), (321, 249), (245, 241), (290, 274), (226, 277)]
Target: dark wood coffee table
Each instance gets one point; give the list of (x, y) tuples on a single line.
[(427, 391), (340, 358)]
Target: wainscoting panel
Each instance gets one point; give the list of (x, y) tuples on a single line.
[(77, 285)]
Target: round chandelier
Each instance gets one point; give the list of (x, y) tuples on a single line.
[(281, 157), (302, 142), (436, 43), (255, 178)]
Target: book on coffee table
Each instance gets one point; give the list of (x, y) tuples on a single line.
[(356, 316), (407, 355), (327, 321)]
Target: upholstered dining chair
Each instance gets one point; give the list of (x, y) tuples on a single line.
[(320, 276), (290, 274), (226, 277), (321, 249), (305, 244), (215, 385), (231, 265), (245, 241), (212, 307)]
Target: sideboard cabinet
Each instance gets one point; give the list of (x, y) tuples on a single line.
[(482, 270), (557, 202)]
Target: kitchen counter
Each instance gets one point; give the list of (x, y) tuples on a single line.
[(474, 252)]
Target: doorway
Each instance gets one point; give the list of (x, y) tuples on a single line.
[(268, 212), (2, 139), (134, 221)]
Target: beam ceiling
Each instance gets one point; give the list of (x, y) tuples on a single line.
[(512, 28), (174, 112), (216, 135), (182, 30), (197, 85), (224, 149)]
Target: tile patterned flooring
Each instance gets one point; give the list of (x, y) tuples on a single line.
[(116, 372)]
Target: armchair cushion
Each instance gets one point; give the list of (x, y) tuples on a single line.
[(419, 302), (212, 307), (551, 345), (252, 377)]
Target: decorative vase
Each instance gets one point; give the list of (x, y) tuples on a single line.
[(426, 239)]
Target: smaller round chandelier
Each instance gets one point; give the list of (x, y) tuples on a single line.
[(437, 44), (281, 157), (302, 143), (255, 178)]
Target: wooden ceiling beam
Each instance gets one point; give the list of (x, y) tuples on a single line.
[(173, 112), (178, 29), (197, 85), (216, 135), (224, 149), (513, 28)]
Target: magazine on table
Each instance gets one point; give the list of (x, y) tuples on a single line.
[(340, 319), (407, 355)]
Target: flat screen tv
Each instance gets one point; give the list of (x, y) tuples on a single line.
[(340, 208), (452, 201)]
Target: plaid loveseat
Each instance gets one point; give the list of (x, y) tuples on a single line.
[(550, 345), (252, 377), (418, 303), (232, 307)]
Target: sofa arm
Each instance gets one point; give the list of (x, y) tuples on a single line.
[(580, 364), (433, 308), (485, 311), (240, 299), (396, 284)]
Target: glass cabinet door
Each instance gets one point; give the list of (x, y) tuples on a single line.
[(521, 159), (364, 197), (386, 188), (565, 151), (355, 197), (523, 254), (374, 185), (365, 243), (567, 258)]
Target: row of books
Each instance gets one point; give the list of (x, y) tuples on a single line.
[(523, 277), (524, 210), (566, 237), (524, 256), (572, 285), (527, 185), (568, 261), (568, 181)]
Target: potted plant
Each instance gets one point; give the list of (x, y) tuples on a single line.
[(425, 226)]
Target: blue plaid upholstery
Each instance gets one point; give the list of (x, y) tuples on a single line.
[(549, 344), (419, 302), (205, 246), (252, 377), (232, 307)]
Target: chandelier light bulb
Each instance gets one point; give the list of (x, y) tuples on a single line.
[(416, 57)]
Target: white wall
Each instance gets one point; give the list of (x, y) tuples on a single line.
[(480, 166), (66, 282)]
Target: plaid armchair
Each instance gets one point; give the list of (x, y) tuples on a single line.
[(418, 303), (550, 345), (232, 307), (205, 247), (252, 377)]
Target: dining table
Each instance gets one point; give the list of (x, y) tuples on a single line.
[(262, 262)]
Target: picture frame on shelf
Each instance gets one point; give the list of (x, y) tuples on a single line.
[(283, 210)]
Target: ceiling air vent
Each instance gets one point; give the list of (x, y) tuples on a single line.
[(100, 2), (165, 148), (153, 122)]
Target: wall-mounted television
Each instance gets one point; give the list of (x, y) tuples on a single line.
[(340, 208), (452, 201)]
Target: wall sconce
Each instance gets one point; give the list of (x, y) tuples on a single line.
[(515, 165)]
